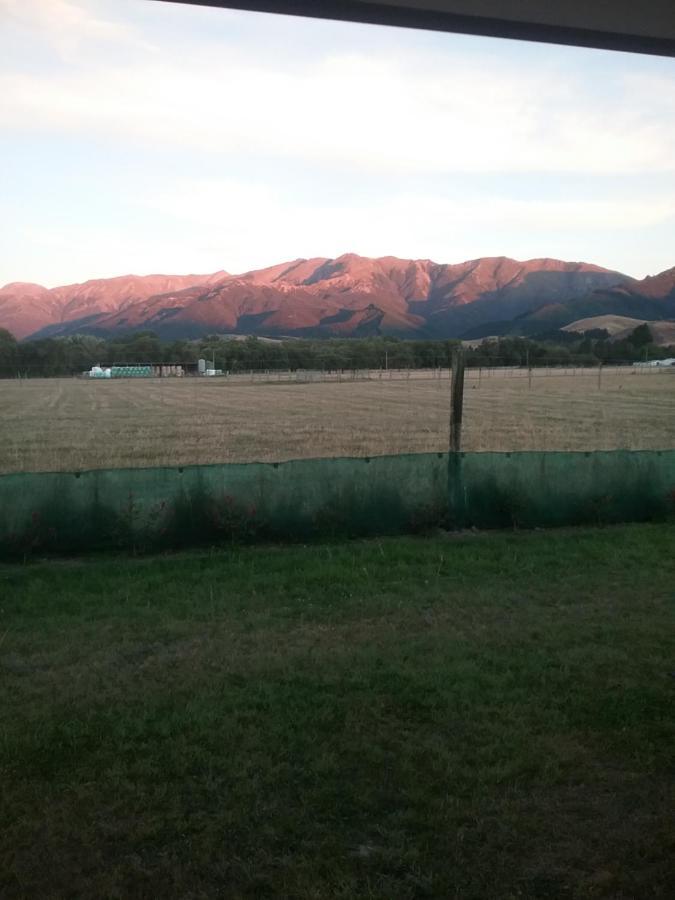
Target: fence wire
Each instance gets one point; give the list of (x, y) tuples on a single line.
[(76, 423)]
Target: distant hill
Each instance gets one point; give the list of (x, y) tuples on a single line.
[(351, 296), (620, 327), (613, 325), (663, 333), (650, 300)]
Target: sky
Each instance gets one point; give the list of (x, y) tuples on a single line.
[(143, 137)]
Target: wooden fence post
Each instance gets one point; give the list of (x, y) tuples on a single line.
[(456, 400)]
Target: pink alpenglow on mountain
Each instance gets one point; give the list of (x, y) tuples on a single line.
[(350, 296), (28, 308)]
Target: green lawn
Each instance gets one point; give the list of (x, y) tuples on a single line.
[(485, 716)]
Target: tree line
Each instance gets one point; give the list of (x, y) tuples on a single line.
[(50, 357)]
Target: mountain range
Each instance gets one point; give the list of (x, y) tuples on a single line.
[(350, 296)]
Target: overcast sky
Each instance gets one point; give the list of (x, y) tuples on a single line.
[(142, 136)]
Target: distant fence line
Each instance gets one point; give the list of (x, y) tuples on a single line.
[(364, 373), (439, 374)]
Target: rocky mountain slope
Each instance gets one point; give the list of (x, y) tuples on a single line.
[(347, 296), (27, 308), (649, 299)]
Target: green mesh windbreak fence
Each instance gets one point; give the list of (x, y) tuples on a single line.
[(172, 507), (547, 488)]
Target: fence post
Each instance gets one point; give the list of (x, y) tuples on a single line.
[(456, 500), (456, 400)]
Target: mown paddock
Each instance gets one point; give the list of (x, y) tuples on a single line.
[(75, 424)]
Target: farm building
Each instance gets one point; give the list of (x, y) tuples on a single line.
[(656, 363)]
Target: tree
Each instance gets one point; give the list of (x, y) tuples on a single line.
[(9, 352), (641, 336)]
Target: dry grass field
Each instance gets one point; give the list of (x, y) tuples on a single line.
[(64, 424)]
